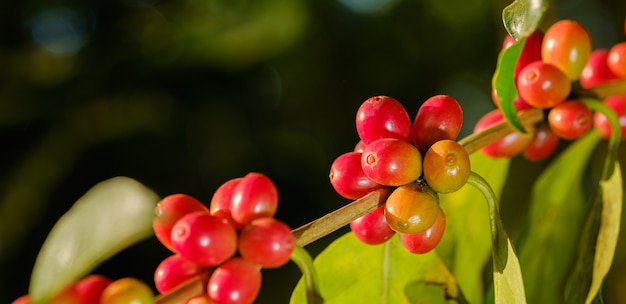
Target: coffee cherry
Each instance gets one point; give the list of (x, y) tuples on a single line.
[(237, 281), (254, 197), (596, 72), (618, 104), (426, 241), (531, 51), (372, 228), (508, 146), (169, 210), (127, 290), (222, 199), (204, 239), (391, 162), (566, 45), (360, 146), (439, 117), (382, 117), (542, 145), (570, 120), (173, 271), (446, 166), (203, 299), (266, 242), (617, 59), (24, 299), (348, 179), (90, 288), (543, 85), (412, 208)]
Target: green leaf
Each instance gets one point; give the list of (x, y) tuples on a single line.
[(522, 17), (504, 82), (507, 276), (612, 199), (548, 243), (466, 244), (352, 272), (111, 216)]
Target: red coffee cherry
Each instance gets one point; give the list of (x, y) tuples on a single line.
[(531, 51), (542, 145), (601, 124), (221, 202), (570, 120), (237, 281), (90, 288), (255, 196), (168, 211), (266, 242), (543, 85), (412, 208), (446, 166), (382, 117), (372, 228), (597, 72), (204, 239), (508, 146), (173, 271), (566, 45), (391, 162), (426, 241), (348, 179), (617, 60), (439, 117)]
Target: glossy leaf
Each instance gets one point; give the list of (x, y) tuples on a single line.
[(111, 216), (466, 245), (352, 272), (554, 221), (504, 82), (507, 276), (522, 17)]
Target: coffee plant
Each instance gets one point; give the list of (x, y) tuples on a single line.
[(424, 218)]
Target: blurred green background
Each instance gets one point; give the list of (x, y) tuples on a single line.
[(183, 95)]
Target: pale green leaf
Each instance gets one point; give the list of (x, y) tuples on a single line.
[(612, 199), (504, 83), (522, 17), (352, 272), (111, 216), (466, 244), (552, 228)]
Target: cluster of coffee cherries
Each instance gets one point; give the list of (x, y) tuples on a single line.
[(551, 66), (416, 160), (95, 289), (230, 241)]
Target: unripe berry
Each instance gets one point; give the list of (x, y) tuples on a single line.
[(446, 166), (412, 208), (127, 290), (566, 45)]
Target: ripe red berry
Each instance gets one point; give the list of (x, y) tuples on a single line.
[(446, 166), (412, 208), (566, 45), (173, 271), (90, 288), (617, 60), (266, 242), (255, 196), (570, 120), (391, 162), (382, 117), (543, 85), (348, 179), (204, 239), (426, 241), (439, 117), (222, 199), (169, 210), (372, 228), (508, 146), (531, 51), (237, 281), (618, 104), (596, 71), (542, 145)]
